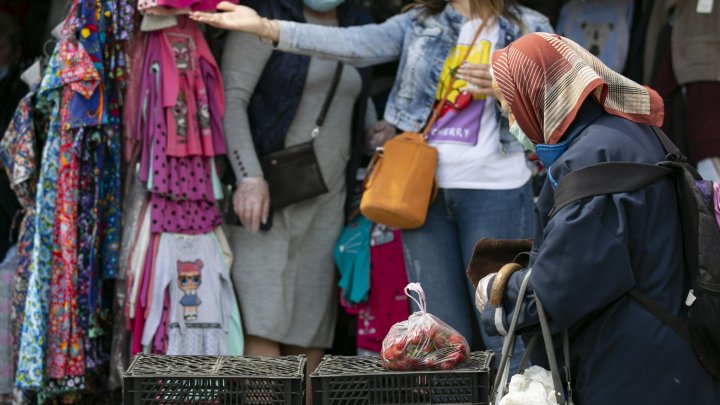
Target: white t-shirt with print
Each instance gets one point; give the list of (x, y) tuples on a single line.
[(467, 135)]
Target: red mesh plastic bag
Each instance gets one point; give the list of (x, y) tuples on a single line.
[(423, 342)]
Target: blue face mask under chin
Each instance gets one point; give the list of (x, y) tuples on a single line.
[(518, 133), (322, 6)]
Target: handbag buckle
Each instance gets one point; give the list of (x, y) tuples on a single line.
[(315, 132)]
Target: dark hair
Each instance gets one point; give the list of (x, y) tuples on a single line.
[(10, 30), (481, 8)]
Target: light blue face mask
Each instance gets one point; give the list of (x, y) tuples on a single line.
[(322, 6), (518, 133)]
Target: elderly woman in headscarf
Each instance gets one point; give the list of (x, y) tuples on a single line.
[(574, 111)]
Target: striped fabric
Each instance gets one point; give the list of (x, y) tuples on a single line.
[(545, 78)]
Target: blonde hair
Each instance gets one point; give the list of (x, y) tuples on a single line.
[(485, 9)]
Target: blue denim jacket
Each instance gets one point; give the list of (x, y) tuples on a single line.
[(421, 42)]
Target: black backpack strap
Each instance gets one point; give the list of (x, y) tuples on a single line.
[(619, 177), (605, 178), (675, 323), (674, 158), (668, 145), (616, 177), (612, 177)]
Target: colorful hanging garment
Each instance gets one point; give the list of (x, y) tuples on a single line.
[(8, 267), (88, 143), (30, 371), (17, 152), (192, 269), (70, 239), (189, 129), (195, 5), (108, 202), (123, 20), (65, 349), (183, 197)]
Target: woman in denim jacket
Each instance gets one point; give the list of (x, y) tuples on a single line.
[(482, 173)]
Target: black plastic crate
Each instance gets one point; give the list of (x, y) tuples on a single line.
[(363, 381), (216, 380)]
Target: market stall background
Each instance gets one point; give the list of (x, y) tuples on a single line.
[(66, 295)]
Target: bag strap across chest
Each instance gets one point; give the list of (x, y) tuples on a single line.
[(328, 100)]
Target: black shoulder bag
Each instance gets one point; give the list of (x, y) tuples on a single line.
[(293, 174)]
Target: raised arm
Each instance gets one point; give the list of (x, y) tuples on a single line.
[(362, 45)]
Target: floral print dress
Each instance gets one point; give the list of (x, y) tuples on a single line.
[(17, 152), (70, 236), (30, 371)]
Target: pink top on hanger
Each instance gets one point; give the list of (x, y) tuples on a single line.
[(182, 194), (387, 302), (195, 5), (185, 95), (139, 321), (148, 304), (132, 96)]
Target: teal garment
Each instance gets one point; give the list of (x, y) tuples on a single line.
[(217, 185), (518, 133), (352, 256), (235, 337)]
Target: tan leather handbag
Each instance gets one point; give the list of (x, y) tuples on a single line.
[(400, 180)]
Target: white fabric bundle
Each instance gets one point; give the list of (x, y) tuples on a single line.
[(533, 387)]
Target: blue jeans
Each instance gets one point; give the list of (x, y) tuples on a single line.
[(438, 253)]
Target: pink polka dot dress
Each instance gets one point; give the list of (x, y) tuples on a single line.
[(180, 134)]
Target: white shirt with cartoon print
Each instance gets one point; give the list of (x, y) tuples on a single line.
[(193, 269)]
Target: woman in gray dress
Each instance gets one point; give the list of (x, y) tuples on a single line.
[(285, 276)]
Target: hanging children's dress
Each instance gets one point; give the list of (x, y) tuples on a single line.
[(70, 237), (30, 368), (387, 303), (179, 130), (195, 5), (17, 151), (193, 269)]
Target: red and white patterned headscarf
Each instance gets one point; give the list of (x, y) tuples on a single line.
[(545, 78)]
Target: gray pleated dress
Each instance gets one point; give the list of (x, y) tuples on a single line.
[(285, 278)]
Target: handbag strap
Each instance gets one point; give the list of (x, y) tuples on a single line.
[(501, 379), (328, 99), (503, 372), (438, 108), (550, 351)]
